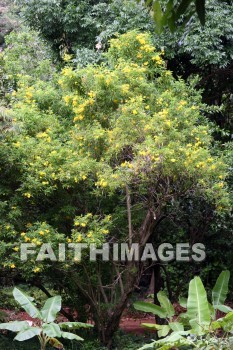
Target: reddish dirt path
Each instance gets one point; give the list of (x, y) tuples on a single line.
[(132, 325), (128, 324)]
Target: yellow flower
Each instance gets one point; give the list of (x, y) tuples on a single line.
[(91, 94), (135, 112), (183, 103), (105, 232), (157, 59), (142, 153), (79, 117), (141, 39), (79, 238), (41, 233), (147, 127), (84, 177), (37, 269), (41, 135), (83, 224), (12, 266), (66, 57), (66, 99), (16, 249), (108, 81), (23, 234), (67, 71), (27, 239), (173, 160), (125, 88), (28, 95)]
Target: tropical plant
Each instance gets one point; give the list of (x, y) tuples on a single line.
[(45, 327), (198, 325), (65, 177), (166, 13)]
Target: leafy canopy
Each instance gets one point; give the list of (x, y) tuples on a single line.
[(94, 131)]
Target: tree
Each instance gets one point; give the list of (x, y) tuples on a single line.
[(206, 52), (167, 13), (61, 22), (190, 49), (103, 152)]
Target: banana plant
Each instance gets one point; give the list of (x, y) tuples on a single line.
[(165, 311), (219, 294), (45, 328), (198, 321)]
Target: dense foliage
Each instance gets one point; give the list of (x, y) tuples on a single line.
[(66, 173), (106, 138)]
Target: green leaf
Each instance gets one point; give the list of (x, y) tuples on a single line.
[(166, 304), (52, 330), (215, 325), (71, 336), (200, 8), (163, 332), (197, 306), (224, 308), (26, 302), (169, 16), (15, 326), (183, 302), (148, 307), (28, 334), (158, 15), (148, 346), (182, 8), (50, 309), (169, 9), (176, 326), (75, 325), (174, 337), (226, 321), (152, 325), (148, 2), (220, 290), (212, 311), (171, 23)]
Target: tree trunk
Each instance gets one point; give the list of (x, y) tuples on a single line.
[(114, 320), (107, 323)]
